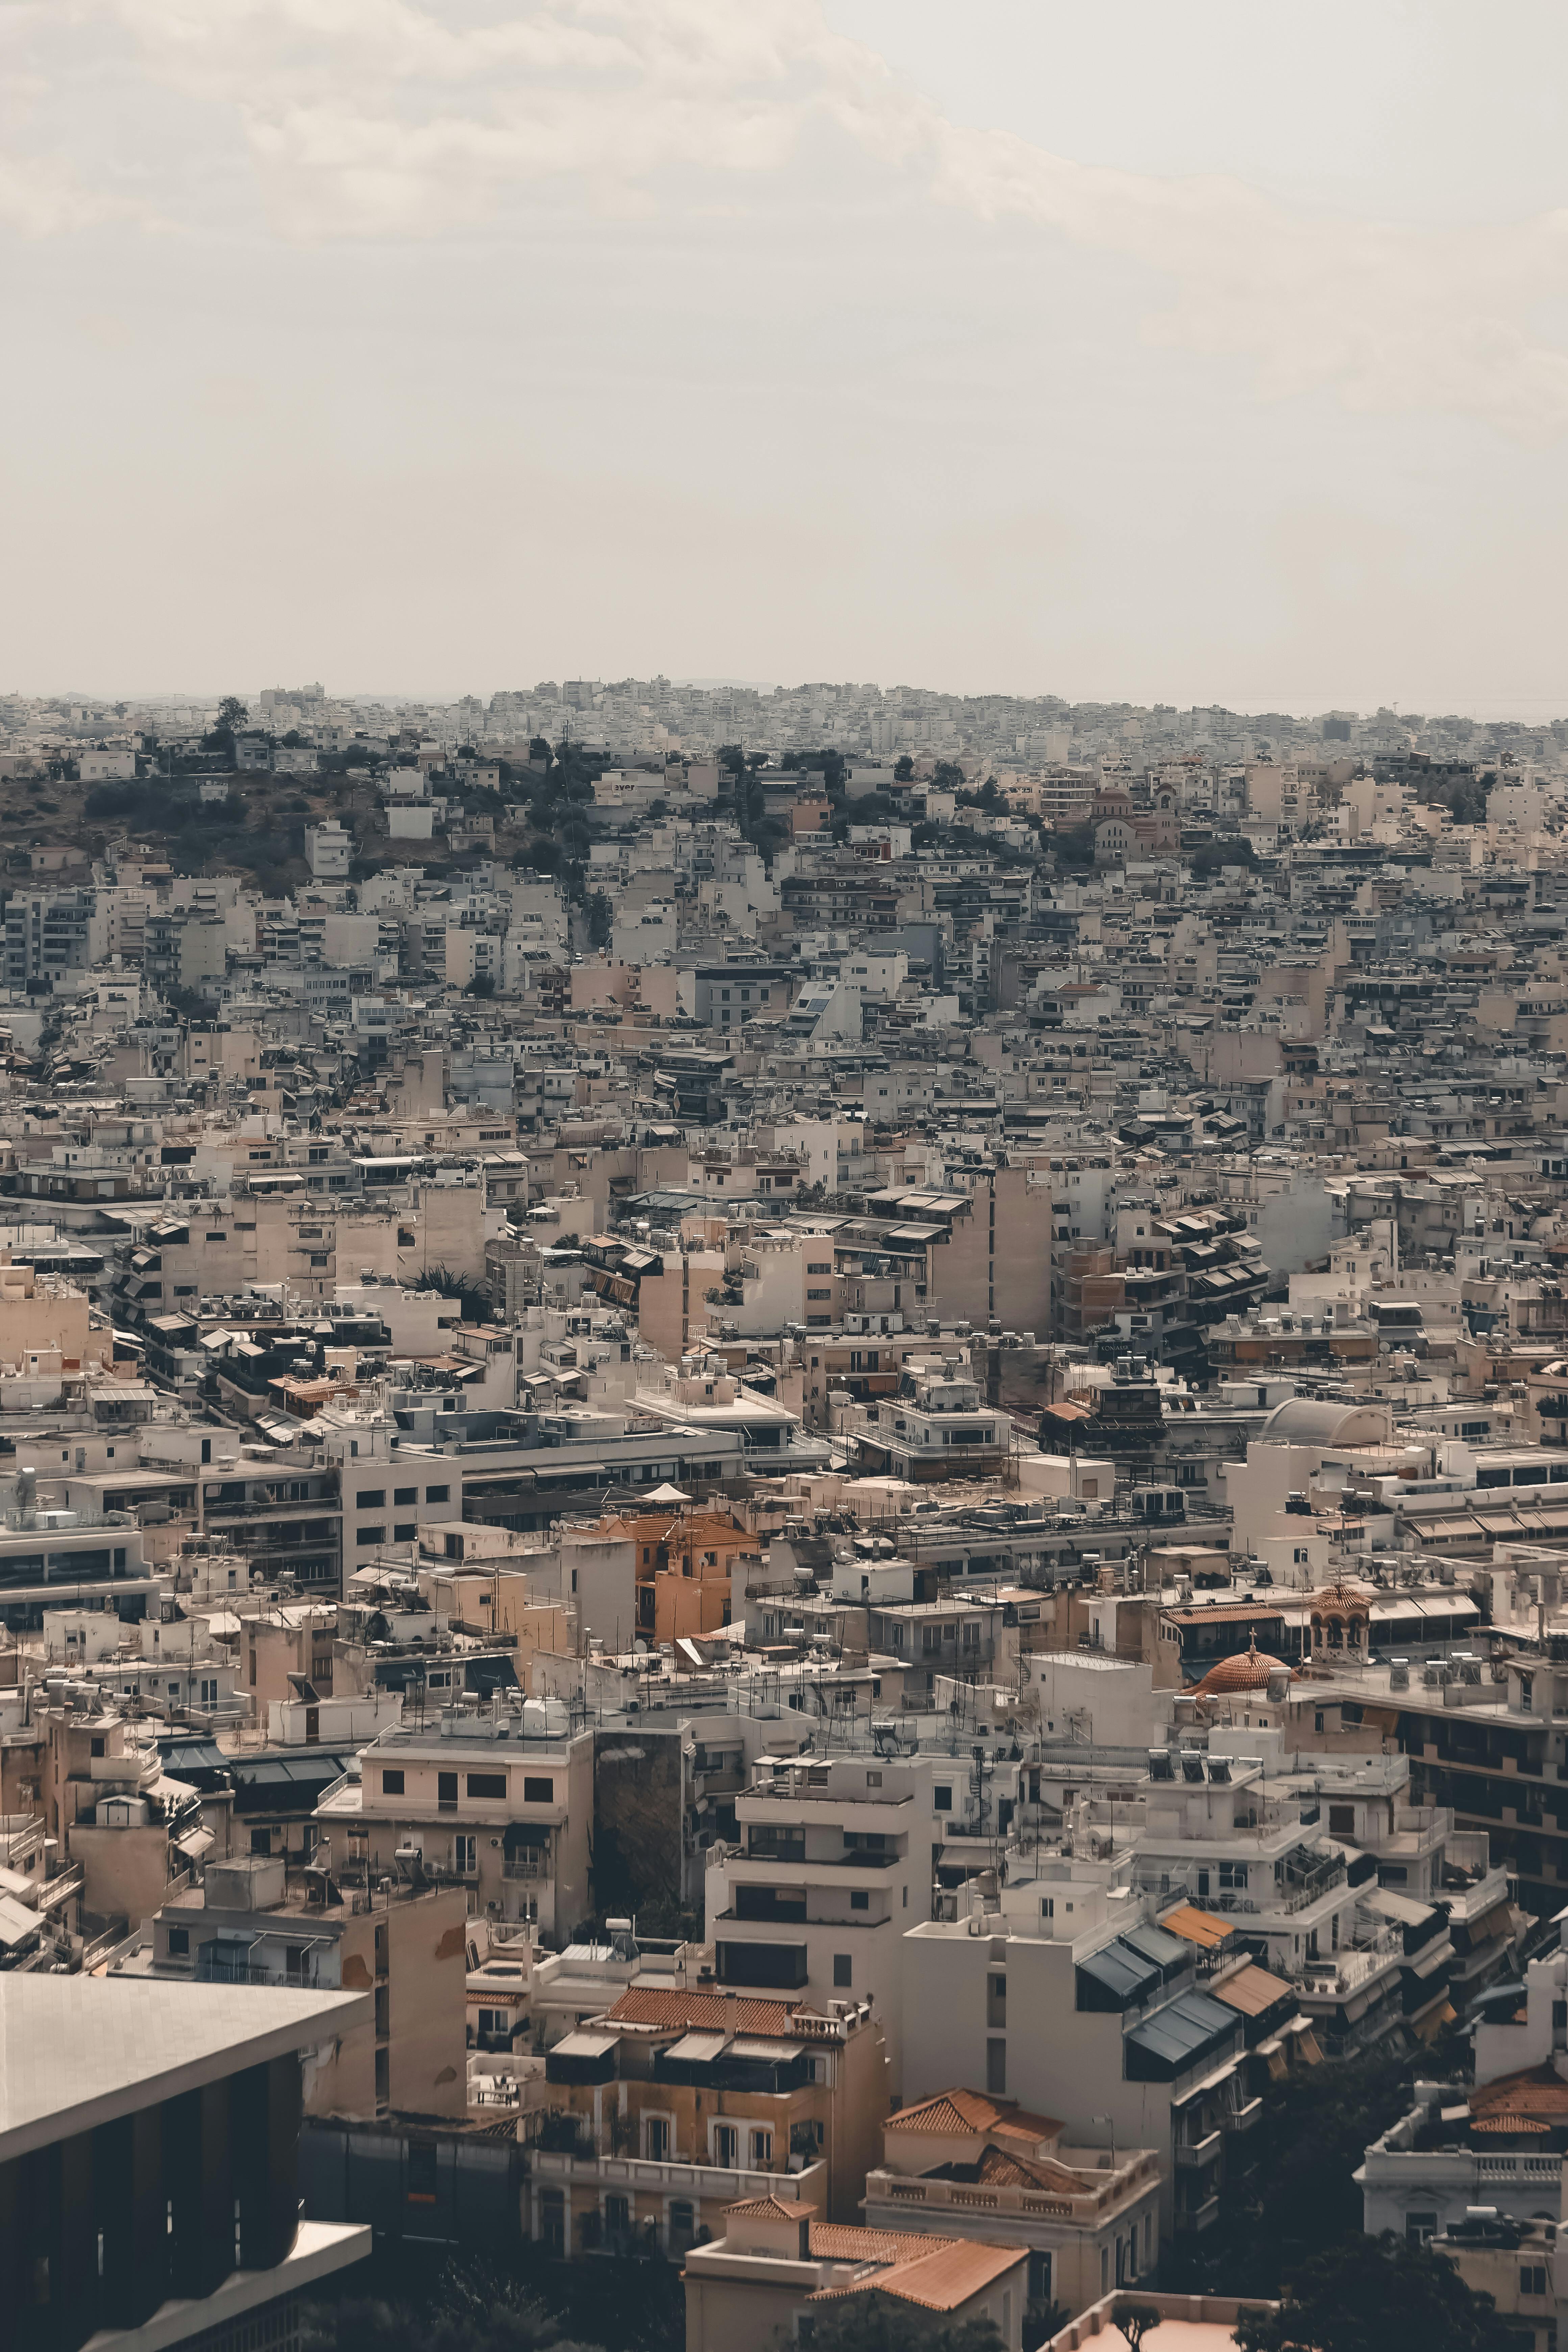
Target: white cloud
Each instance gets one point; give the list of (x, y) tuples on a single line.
[(388, 119)]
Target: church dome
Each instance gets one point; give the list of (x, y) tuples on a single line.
[(1250, 1669)]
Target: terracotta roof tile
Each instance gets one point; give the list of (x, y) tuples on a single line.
[(846, 2241), (774, 2209), (971, 2112), (943, 2276), (998, 2166), (677, 2012), (1537, 2091)]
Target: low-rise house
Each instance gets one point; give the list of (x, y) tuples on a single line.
[(976, 2168), (777, 2266)]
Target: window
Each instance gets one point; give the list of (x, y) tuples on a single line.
[(405, 1531), (421, 2190), (942, 1799), (179, 1941), (1233, 1875), (370, 1535), (404, 1495), (618, 2216), (99, 1747), (488, 1785), (996, 2000), (1419, 2227), (445, 1788), (1533, 2278), (370, 1499), (843, 1969), (763, 2153), (1047, 1906), (1342, 1820), (537, 1791), (1039, 2277), (437, 1493), (391, 1781), (996, 2067), (655, 2139), (726, 2144), (859, 1900)]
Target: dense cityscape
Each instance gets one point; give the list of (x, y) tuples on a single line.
[(777, 1561)]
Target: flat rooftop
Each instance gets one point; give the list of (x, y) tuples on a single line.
[(76, 2051)]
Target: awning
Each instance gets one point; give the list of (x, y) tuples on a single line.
[(1497, 1920), (524, 1837), (1197, 1927), (697, 2049), (1252, 1990), (1187, 2030), (195, 1843), (1427, 2029), (1397, 1907), (1307, 2047), (583, 2044), (16, 1922)]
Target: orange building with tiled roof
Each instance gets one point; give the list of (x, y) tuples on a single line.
[(776, 2263), (977, 2166), (724, 2100)]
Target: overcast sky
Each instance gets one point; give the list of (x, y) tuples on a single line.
[(1209, 353)]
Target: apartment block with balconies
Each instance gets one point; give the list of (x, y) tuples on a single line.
[(496, 1796), (834, 1861)]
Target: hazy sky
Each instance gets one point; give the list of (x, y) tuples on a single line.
[(1215, 351)]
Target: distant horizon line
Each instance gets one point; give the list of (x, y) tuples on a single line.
[(1515, 710)]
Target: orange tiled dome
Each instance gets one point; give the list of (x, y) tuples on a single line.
[(1250, 1669)]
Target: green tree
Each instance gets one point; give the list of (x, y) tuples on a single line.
[(366, 2325), (481, 985), (1303, 2197), (947, 776), (600, 917), (474, 1299), (1136, 2320), (231, 713), (1375, 2294), (885, 2323), (903, 768)]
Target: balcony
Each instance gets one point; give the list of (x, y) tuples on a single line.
[(722, 2184), (1193, 2154), (1243, 2118)]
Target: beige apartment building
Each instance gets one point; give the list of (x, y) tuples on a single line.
[(255, 1921), (497, 1800)]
